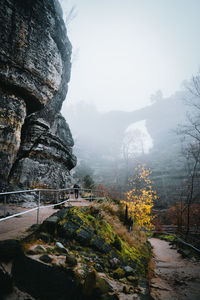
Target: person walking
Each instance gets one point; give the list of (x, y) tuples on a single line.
[(76, 190)]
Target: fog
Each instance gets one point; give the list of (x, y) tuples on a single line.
[(131, 62), (126, 50), (139, 138)]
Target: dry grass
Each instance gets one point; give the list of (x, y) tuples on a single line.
[(114, 214), (151, 268)]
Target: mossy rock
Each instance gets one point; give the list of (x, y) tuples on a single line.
[(133, 279), (95, 211), (45, 237), (39, 249), (95, 286), (69, 229), (100, 244), (118, 273), (50, 224), (128, 270), (84, 229), (71, 260), (99, 267), (117, 243), (84, 236)]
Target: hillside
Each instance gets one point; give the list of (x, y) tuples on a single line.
[(78, 253)]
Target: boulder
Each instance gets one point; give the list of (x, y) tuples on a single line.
[(118, 273), (44, 281), (60, 248), (46, 258), (50, 224), (6, 283), (128, 270), (71, 260), (99, 244), (39, 249), (117, 243), (95, 286), (84, 236), (9, 250), (45, 237), (69, 229)]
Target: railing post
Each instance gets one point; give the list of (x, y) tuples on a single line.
[(38, 210), (57, 197), (90, 195), (4, 207), (69, 191)]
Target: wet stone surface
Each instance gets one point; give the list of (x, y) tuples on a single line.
[(174, 277)]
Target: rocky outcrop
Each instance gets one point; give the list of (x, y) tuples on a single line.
[(35, 140), (75, 254)]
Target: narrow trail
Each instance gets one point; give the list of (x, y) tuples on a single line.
[(15, 228), (174, 278)]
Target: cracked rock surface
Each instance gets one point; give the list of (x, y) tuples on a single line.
[(35, 65)]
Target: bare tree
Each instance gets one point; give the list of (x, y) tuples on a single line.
[(191, 130), (132, 146), (191, 136), (192, 154)]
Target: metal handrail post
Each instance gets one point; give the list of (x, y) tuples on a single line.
[(38, 206), (69, 191), (57, 197), (38, 210), (4, 207)]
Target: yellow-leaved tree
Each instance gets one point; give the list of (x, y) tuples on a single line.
[(140, 198)]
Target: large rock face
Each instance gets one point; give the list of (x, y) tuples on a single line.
[(35, 140)]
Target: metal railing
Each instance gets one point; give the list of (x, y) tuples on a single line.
[(56, 201)]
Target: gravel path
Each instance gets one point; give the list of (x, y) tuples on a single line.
[(174, 278), (15, 228)]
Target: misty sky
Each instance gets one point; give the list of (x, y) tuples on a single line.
[(129, 49)]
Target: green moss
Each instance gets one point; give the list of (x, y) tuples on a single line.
[(83, 215), (91, 220), (149, 235), (117, 243), (118, 273), (106, 232), (166, 237)]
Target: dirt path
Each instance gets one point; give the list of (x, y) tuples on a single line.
[(175, 278), (15, 228)]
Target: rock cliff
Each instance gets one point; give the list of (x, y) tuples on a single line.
[(35, 140)]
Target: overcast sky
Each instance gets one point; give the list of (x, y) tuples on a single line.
[(129, 49)]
